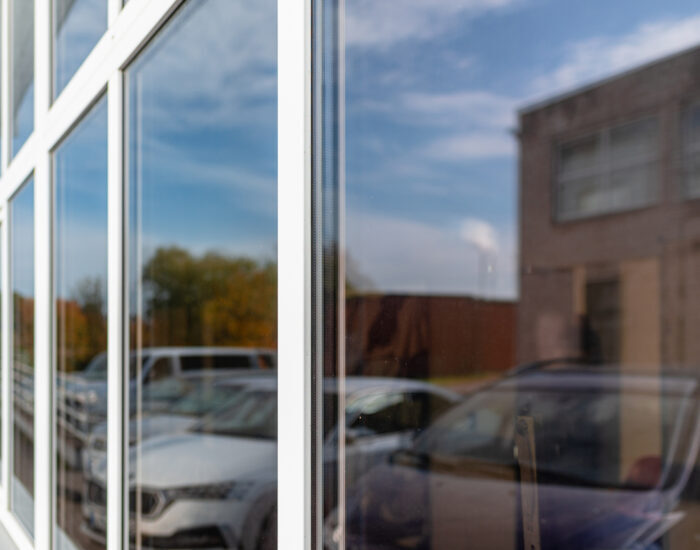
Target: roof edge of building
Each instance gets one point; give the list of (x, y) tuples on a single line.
[(536, 105)]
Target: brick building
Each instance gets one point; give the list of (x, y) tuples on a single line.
[(610, 181)]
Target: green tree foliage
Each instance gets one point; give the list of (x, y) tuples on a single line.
[(212, 300)]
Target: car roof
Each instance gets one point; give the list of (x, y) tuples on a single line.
[(209, 350), (579, 377), (353, 384)]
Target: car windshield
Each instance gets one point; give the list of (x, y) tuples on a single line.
[(251, 413), (205, 398), (576, 429), (96, 369)]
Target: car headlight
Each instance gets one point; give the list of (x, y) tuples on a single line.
[(236, 490)]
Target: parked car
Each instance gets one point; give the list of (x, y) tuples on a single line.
[(216, 485), (199, 397), (82, 397), (578, 457)]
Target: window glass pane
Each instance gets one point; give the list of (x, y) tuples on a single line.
[(502, 221), (580, 156), (634, 142), (202, 150), (80, 306), (78, 25), (22, 277), (22, 73)]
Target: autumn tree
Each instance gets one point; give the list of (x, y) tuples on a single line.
[(208, 300)]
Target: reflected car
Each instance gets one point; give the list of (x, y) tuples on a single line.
[(82, 397), (216, 485), (199, 397), (564, 456)]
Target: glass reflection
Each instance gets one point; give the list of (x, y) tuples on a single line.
[(22, 72), (22, 284), (516, 198), (202, 150), (77, 26), (80, 175)]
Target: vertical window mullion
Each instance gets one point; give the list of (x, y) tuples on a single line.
[(43, 376), (5, 137), (43, 414), (117, 402), (114, 8), (294, 200)]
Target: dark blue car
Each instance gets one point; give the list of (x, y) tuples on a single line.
[(566, 456)]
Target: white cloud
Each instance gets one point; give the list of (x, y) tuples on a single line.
[(473, 107), (599, 57), (401, 255), (382, 23), (473, 124), (216, 67), (473, 145), (480, 234)]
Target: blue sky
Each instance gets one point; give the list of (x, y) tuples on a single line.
[(202, 133), (432, 88)]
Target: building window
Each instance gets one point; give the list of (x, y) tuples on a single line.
[(80, 310), (202, 282), (691, 151), (22, 72), (22, 281), (77, 26), (613, 170)]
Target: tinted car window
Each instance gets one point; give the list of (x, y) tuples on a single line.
[(203, 362)]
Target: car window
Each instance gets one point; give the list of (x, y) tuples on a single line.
[(251, 413), (134, 364), (195, 362), (161, 369), (425, 408), (204, 399), (383, 413), (481, 428)]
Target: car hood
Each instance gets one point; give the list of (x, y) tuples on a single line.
[(195, 459), (160, 424)]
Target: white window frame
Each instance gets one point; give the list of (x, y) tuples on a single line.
[(129, 30)]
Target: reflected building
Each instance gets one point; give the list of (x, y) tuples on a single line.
[(610, 221)]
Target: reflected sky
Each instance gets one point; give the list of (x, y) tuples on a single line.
[(81, 205), (22, 72), (432, 92), (79, 24), (203, 132), (22, 240)]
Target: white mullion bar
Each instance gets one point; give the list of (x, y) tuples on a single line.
[(294, 287), (43, 363), (42, 60), (20, 169), (115, 316), (4, 85), (114, 7), (43, 379)]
